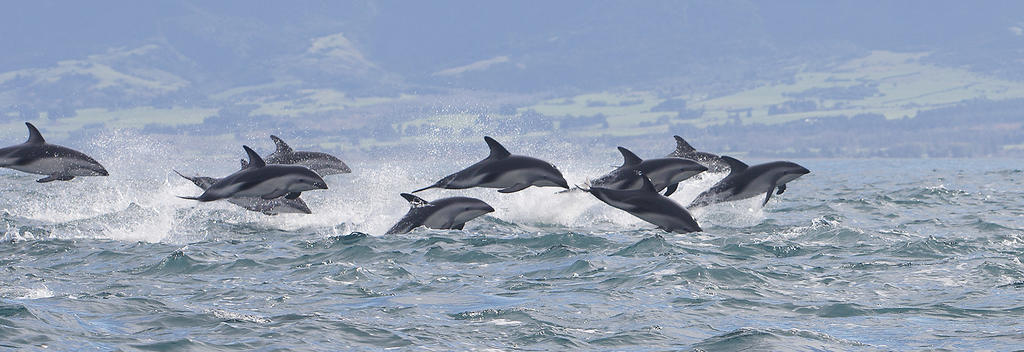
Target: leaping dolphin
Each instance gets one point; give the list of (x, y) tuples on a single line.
[(664, 173), (647, 204), (264, 181), (750, 181), (501, 169), (441, 214), (685, 151), (321, 163), (266, 206), (59, 163)]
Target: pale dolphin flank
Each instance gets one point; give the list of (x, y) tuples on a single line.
[(685, 151), (501, 169), (322, 163), (750, 181), (264, 181), (664, 173), (57, 162), (266, 206), (647, 204), (441, 214)]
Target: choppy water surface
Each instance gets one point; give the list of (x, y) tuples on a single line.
[(858, 255)]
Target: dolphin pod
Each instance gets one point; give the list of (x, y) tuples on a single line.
[(273, 185)]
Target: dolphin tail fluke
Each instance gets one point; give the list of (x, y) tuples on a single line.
[(436, 185), (190, 198), (183, 176), (574, 189)]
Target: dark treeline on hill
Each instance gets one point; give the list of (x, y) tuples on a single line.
[(975, 129)]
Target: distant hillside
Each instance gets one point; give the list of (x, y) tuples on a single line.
[(375, 74)]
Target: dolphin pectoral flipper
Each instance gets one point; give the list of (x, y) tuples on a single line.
[(52, 178), (514, 188), (767, 196), (275, 194), (459, 226), (293, 195), (782, 188), (671, 189)]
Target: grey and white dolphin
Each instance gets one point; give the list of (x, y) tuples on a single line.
[(501, 169), (321, 163), (59, 163), (266, 206), (440, 214), (647, 204), (685, 151), (746, 181), (264, 181), (664, 173)]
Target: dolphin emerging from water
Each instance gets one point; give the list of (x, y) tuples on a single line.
[(322, 163), (685, 151), (664, 173), (57, 162), (501, 169), (750, 181), (441, 214), (647, 204), (264, 181), (266, 206)]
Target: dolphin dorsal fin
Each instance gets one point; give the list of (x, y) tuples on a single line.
[(254, 159), (628, 158), (415, 201), (648, 185), (497, 150), (281, 146), (735, 166), (682, 147), (244, 163), (34, 137)]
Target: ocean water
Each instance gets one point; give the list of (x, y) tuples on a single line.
[(858, 255)]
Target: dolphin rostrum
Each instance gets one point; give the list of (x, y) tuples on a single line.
[(264, 181), (321, 163), (57, 162), (501, 169), (664, 173), (750, 181), (266, 206), (685, 151), (647, 204), (441, 214)]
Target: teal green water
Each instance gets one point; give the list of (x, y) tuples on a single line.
[(858, 255)]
